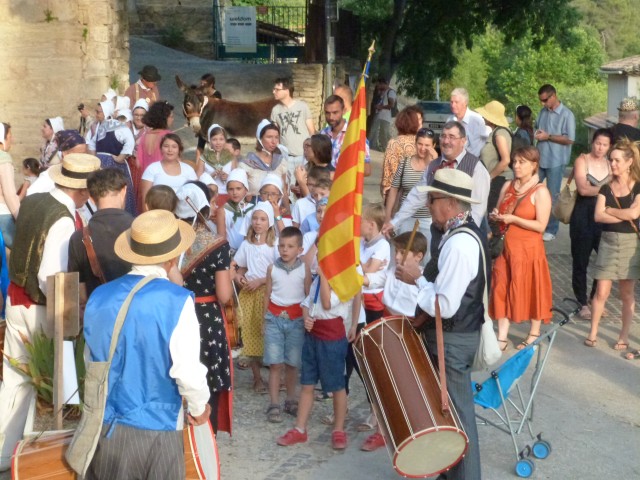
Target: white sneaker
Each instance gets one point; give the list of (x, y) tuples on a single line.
[(547, 237)]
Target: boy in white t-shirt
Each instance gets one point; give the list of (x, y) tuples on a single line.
[(375, 254), (287, 285)]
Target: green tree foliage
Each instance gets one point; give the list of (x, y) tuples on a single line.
[(418, 39), (513, 72), (613, 23)]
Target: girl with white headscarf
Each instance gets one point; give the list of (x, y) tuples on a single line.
[(268, 157), (49, 151), (217, 160)]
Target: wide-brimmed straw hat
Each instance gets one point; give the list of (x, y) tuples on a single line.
[(452, 183), (74, 170), (494, 113), (154, 237)]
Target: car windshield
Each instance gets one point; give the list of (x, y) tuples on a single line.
[(436, 107)]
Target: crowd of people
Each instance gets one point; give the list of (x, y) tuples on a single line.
[(239, 232)]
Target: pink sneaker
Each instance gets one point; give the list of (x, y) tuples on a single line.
[(292, 437), (339, 440), (373, 442)]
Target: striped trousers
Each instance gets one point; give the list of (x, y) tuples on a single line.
[(134, 454), (459, 352)]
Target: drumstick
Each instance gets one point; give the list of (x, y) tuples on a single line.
[(410, 242), (198, 213)]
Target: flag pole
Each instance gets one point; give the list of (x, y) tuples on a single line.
[(365, 70)]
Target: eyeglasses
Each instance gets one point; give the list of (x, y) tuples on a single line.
[(545, 100), (449, 137), (425, 132), (276, 89), (431, 199)]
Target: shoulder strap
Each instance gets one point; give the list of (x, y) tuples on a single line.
[(91, 254), (122, 313), (635, 228)]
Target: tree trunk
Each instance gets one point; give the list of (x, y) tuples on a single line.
[(388, 40)]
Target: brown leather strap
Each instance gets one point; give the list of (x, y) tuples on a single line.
[(443, 376), (91, 253)]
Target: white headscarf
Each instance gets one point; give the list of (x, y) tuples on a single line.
[(215, 125), (56, 124), (238, 175), (122, 103), (272, 179), (2, 134), (266, 208), (195, 195), (141, 103), (110, 94), (261, 126), (107, 108)]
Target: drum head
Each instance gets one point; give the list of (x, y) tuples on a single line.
[(430, 452)]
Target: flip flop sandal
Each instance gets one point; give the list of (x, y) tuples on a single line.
[(619, 346), (590, 343), (632, 355), (243, 364), (506, 345)]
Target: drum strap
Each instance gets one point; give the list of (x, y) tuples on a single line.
[(441, 368)]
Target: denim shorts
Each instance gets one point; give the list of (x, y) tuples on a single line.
[(8, 228), (283, 339), (324, 360)]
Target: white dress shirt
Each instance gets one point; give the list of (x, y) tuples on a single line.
[(475, 128)]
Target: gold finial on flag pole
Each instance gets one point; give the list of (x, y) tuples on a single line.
[(371, 50)]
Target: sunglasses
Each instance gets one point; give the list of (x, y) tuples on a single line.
[(425, 132)]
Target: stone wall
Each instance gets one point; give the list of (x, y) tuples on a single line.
[(308, 82), (187, 24), (56, 54)]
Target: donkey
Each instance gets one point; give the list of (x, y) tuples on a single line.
[(237, 118)]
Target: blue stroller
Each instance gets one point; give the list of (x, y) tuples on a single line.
[(497, 394)]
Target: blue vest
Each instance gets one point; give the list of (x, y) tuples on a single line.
[(141, 393)]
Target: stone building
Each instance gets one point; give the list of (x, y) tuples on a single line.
[(55, 55)]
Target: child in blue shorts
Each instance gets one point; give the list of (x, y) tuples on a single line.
[(323, 358), (287, 284)]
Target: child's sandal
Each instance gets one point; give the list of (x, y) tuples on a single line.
[(274, 414)]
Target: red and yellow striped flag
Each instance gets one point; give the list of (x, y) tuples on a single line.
[(339, 238)]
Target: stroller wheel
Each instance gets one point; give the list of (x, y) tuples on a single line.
[(541, 449), (524, 468)]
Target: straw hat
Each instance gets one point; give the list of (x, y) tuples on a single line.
[(628, 104), (154, 237), (452, 183), (494, 113), (74, 170)]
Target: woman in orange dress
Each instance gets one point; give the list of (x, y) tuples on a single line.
[(521, 283)]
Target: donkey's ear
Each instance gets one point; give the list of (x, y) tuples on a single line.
[(181, 85)]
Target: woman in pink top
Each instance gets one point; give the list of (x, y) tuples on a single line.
[(159, 119)]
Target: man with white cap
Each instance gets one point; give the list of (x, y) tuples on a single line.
[(156, 362), (40, 249), (455, 277), (49, 150)]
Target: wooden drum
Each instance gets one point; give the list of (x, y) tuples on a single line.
[(404, 389), (42, 457)]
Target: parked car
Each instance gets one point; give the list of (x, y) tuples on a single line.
[(435, 114)]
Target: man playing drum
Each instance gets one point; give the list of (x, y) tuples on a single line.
[(455, 275)]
